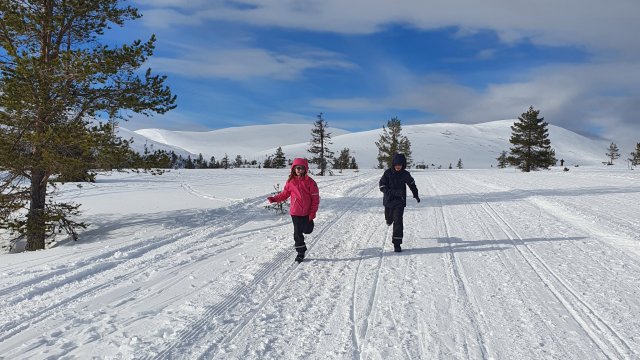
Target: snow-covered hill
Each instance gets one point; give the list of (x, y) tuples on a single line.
[(139, 142), (440, 144), (245, 140), (477, 145)]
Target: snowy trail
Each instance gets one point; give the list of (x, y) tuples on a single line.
[(465, 304), (608, 340), (495, 265)]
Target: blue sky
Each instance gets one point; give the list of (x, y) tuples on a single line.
[(362, 62)]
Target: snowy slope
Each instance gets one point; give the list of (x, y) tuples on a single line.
[(139, 142), (440, 144), (244, 141), (477, 145), (497, 264)]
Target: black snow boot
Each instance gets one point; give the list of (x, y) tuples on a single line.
[(299, 258), (397, 248)]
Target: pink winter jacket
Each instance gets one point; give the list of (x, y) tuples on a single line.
[(305, 197)]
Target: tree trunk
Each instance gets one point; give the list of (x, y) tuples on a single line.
[(36, 216)]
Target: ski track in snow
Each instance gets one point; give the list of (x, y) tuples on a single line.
[(360, 318), (103, 273), (464, 299), (595, 326), (578, 308), (226, 336), (493, 267)]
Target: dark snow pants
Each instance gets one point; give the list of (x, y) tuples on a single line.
[(394, 216), (301, 225)]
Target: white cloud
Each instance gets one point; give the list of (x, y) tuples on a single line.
[(168, 18), (178, 4), (588, 23), (246, 63)]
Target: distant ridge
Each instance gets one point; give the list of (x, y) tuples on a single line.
[(139, 142), (439, 144), (244, 140)]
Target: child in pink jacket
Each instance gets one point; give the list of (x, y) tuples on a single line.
[(305, 199)]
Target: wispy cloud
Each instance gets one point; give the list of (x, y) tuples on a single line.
[(578, 22), (284, 117), (168, 18), (246, 63)]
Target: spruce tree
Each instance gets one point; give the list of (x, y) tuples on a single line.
[(613, 153), (267, 164), (189, 164), (279, 161), (238, 162), (200, 162), (392, 142), (531, 145), (635, 156), (503, 160), (320, 139), (224, 163), (353, 164), (342, 161), (174, 159), (61, 95), (459, 164)]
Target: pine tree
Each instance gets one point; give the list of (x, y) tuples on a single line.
[(342, 161), (61, 95), (459, 164), (613, 153), (279, 160), (353, 164), (503, 161), (224, 163), (238, 162), (200, 162), (635, 156), (531, 145), (392, 142), (189, 164), (174, 160), (268, 163), (320, 139)]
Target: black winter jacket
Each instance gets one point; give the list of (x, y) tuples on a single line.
[(394, 184)]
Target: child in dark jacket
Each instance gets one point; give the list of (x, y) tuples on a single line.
[(394, 184), (305, 199)]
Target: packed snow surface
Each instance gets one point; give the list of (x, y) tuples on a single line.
[(497, 264)]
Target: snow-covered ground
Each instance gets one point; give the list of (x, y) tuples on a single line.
[(497, 264)]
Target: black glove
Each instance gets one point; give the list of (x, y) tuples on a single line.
[(417, 199)]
